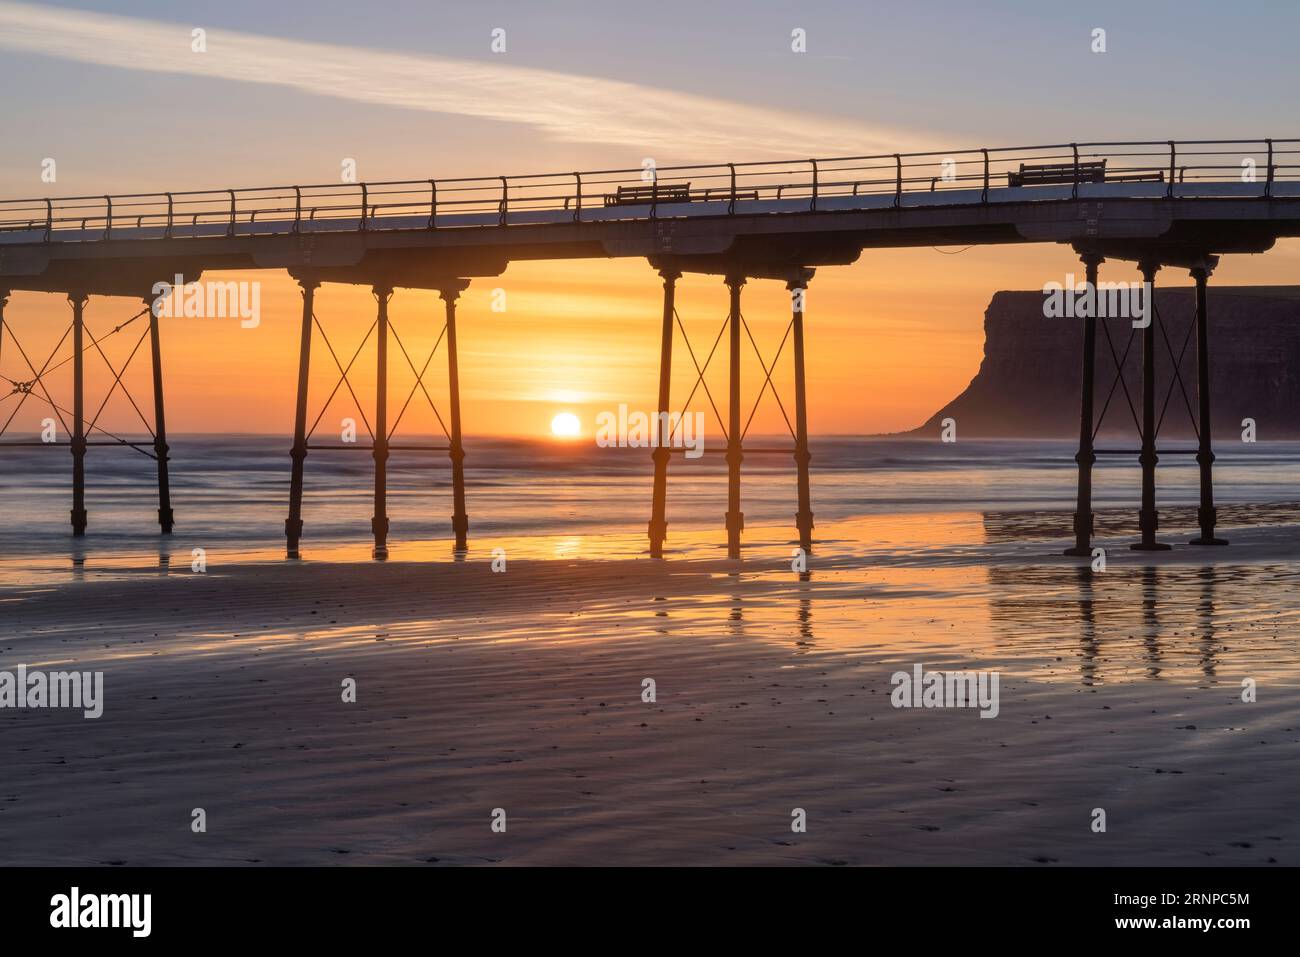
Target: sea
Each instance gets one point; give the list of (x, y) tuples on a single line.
[(548, 498)]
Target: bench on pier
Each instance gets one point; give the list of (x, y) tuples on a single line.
[(1058, 174), (664, 193), (669, 193)]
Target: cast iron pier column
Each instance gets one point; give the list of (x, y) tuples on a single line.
[(802, 456), (1086, 457), (78, 300), (1206, 515), (379, 522), (735, 517), (1148, 519), (661, 454), (459, 517), (293, 524), (165, 517)]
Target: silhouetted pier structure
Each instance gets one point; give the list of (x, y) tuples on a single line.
[(1159, 205)]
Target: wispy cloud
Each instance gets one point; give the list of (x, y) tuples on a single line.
[(562, 106)]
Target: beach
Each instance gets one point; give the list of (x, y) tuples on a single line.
[(524, 690)]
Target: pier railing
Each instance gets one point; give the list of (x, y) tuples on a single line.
[(650, 193)]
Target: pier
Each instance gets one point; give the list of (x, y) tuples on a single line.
[(1158, 206)]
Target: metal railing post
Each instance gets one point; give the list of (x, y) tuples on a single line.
[(898, 183), (505, 200), (1173, 162), (984, 196), (1074, 192), (813, 207), (577, 207)]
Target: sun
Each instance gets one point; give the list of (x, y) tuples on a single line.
[(565, 425)]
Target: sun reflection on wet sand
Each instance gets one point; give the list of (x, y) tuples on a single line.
[(908, 588)]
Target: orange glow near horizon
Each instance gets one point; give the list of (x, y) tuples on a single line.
[(890, 339)]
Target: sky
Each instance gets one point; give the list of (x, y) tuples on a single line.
[(285, 92)]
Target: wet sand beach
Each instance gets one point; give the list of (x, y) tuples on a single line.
[(523, 690)]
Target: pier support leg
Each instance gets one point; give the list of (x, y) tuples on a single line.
[(293, 524), (661, 454), (78, 443), (735, 454), (1086, 457), (379, 522), (1148, 519), (802, 456), (165, 517), (459, 517), (1206, 515)]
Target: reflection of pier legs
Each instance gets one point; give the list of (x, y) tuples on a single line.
[(1151, 620), (805, 623), (1148, 519), (1086, 457), (1205, 514), (1088, 651), (1209, 581)]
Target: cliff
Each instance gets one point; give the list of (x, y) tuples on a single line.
[(1028, 384)]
